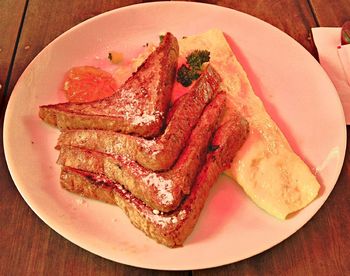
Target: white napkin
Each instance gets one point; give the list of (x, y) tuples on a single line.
[(335, 59)]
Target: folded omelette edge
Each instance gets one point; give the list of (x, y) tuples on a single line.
[(266, 167)]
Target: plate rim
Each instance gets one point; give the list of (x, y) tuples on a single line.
[(6, 129)]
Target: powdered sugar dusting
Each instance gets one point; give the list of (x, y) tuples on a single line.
[(182, 214), (167, 220), (163, 221), (156, 212), (144, 119), (155, 216), (162, 185), (131, 165), (151, 147)]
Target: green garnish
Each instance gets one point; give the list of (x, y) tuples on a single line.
[(346, 37), (345, 33), (191, 71), (185, 75), (197, 58), (161, 37)]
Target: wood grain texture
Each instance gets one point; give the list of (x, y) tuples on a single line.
[(44, 21), (11, 13), (29, 247), (331, 13), (292, 17)]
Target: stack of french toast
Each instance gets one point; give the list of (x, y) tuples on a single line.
[(157, 161)]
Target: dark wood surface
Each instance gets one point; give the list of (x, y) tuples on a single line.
[(11, 14), (29, 247)]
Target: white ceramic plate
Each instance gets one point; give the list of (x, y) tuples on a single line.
[(294, 87)]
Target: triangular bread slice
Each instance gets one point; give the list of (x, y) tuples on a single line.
[(170, 228), (161, 191), (138, 107), (157, 154)]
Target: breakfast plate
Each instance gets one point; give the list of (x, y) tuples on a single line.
[(295, 90)]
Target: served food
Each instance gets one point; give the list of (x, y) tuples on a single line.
[(139, 106), (160, 153), (161, 178), (266, 167), (161, 191), (88, 83), (172, 228)]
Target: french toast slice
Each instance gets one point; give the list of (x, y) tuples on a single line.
[(138, 107), (161, 191), (158, 154), (172, 228)]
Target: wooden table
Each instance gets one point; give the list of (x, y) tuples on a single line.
[(29, 247)]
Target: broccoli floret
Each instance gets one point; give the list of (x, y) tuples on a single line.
[(192, 70), (197, 58)]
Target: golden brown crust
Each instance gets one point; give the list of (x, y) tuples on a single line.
[(161, 153), (170, 229), (138, 107), (161, 191)]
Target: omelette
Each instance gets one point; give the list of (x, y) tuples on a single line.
[(266, 167)]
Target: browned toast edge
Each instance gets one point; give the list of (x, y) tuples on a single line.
[(170, 229), (158, 154), (162, 191), (61, 116)]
